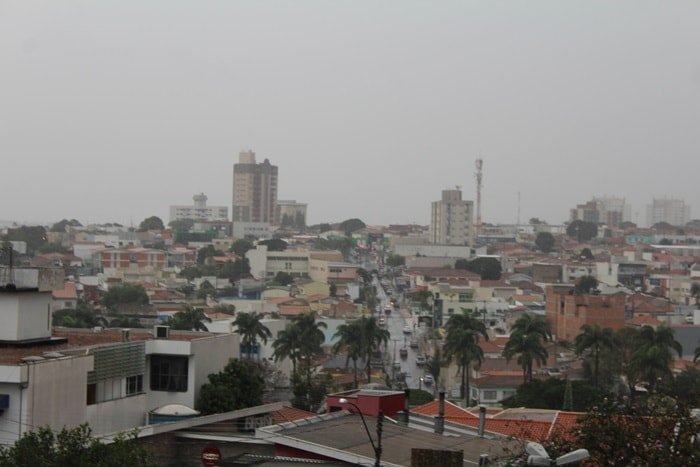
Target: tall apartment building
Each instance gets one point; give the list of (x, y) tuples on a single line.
[(291, 214), (452, 219), (605, 210), (254, 190), (199, 211), (673, 211)]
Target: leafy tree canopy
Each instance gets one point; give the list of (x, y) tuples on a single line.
[(234, 270), (152, 223), (585, 285), (274, 244), (537, 221), (81, 317), (395, 260), (238, 386), (654, 430), (61, 225), (34, 236), (663, 226), (419, 397), (549, 394), (125, 294), (324, 227), (586, 253), (283, 278), (183, 225), (351, 225), (207, 252), (545, 241), (487, 268), (627, 225), (73, 447), (52, 248), (240, 247), (582, 231)]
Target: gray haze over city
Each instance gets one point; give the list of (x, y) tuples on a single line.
[(112, 111)]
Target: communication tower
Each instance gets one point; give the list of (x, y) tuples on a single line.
[(478, 174)]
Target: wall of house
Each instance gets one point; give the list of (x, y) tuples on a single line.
[(211, 356), (117, 415), (25, 315), (57, 391)]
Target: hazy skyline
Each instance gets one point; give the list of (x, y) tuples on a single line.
[(113, 111)]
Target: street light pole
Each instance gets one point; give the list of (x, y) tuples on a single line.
[(380, 425)]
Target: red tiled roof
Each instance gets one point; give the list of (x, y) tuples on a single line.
[(521, 427), (290, 414)]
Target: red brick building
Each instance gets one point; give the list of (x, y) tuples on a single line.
[(567, 313)]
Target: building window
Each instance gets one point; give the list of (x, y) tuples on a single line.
[(490, 395), (168, 373), (465, 297), (91, 394), (134, 385)]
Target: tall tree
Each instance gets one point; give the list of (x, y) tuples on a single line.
[(288, 345), (527, 342), (311, 338), (129, 294), (241, 246), (73, 447), (152, 223), (373, 337), (582, 231), (350, 337), (239, 385), (249, 327), (434, 365), (654, 355), (584, 285), (594, 339), (463, 332), (545, 241), (487, 268), (189, 319)]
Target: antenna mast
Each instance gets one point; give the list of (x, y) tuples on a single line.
[(478, 174)]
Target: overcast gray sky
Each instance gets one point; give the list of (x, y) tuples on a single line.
[(113, 110)]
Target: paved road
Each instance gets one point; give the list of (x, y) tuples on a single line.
[(396, 321)]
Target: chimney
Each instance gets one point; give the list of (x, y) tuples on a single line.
[(405, 416), (440, 419), (482, 419)]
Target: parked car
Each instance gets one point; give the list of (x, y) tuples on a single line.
[(428, 380), (407, 329), (420, 360)]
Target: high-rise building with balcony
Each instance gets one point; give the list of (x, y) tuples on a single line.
[(254, 190), (670, 210), (452, 219)]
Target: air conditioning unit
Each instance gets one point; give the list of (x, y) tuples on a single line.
[(161, 332)]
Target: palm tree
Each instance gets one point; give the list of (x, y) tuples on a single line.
[(189, 319), (594, 339), (526, 341), (434, 365), (288, 345), (311, 338), (373, 336), (349, 337), (249, 327), (653, 357), (463, 332)]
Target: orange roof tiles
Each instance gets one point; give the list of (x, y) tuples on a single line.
[(290, 414)]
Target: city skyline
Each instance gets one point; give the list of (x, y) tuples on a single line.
[(113, 112)]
